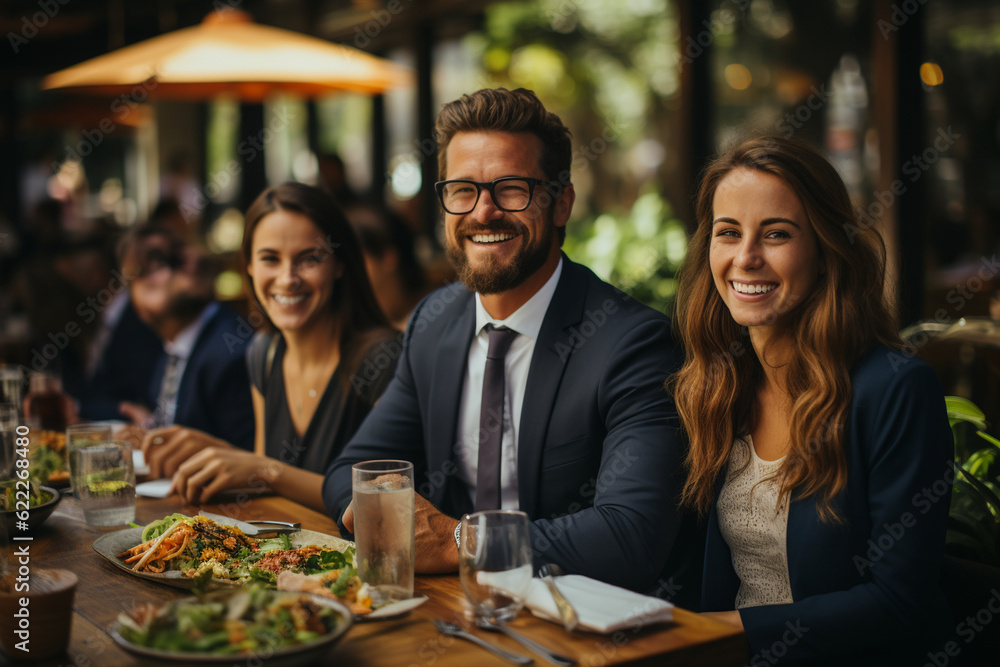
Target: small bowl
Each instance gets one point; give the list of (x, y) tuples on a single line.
[(36, 515), (290, 656)]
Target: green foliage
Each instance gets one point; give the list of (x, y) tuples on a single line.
[(638, 252), (974, 521)]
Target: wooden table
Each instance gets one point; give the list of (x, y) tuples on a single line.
[(65, 541)]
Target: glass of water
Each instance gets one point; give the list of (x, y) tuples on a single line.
[(82, 436), (105, 483), (383, 527), (494, 563)]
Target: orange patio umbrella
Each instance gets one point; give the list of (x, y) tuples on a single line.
[(228, 53)]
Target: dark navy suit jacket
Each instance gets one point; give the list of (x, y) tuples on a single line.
[(214, 394), (866, 592), (124, 370), (599, 451)]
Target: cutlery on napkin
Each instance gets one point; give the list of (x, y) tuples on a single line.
[(600, 607)]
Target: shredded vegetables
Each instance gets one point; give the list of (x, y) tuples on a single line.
[(202, 549)]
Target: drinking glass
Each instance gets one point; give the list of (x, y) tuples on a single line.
[(105, 483), (383, 527), (82, 436), (11, 386), (8, 435), (494, 563), (45, 401)]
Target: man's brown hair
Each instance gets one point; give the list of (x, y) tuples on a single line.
[(502, 110)]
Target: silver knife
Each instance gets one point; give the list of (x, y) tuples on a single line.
[(253, 528), (567, 614)]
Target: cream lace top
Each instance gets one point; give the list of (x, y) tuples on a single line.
[(754, 528)]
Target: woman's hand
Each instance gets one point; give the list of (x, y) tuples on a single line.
[(732, 618), (219, 468), (167, 448)]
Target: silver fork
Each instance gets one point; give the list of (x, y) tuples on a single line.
[(452, 630), (551, 656), (566, 611)]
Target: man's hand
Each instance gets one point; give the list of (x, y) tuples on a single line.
[(167, 448), (436, 552), (434, 537)]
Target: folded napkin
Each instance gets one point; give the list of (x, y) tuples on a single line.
[(601, 607)]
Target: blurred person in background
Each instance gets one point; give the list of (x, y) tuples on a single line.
[(318, 370), (200, 381), (393, 269)]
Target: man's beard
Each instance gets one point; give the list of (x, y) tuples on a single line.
[(490, 277)]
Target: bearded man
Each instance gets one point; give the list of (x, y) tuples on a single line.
[(536, 386)]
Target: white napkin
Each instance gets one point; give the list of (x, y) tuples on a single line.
[(601, 607), (155, 489)]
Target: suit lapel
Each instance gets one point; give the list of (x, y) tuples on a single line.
[(553, 350), (447, 381)]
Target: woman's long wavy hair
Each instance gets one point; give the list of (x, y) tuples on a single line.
[(360, 319), (844, 316)]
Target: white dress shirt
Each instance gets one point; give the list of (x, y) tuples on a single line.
[(526, 321), (181, 347)]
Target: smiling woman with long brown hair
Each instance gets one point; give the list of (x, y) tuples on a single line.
[(810, 432)]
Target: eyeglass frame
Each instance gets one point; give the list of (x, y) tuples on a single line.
[(489, 187)]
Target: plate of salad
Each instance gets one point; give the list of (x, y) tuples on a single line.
[(275, 627), (198, 552)]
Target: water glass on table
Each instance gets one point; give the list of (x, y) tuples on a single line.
[(383, 527), (104, 479), (11, 386), (494, 563), (81, 436)]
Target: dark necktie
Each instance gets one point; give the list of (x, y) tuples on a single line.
[(166, 407), (491, 419)]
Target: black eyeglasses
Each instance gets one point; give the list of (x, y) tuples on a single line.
[(510, 193)]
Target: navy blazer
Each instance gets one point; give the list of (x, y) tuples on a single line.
[(123, 372), (866, 592), (599, 452), (214, 394)]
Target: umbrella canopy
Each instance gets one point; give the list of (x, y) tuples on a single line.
[(228, 53)]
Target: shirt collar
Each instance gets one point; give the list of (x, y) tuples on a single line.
[(183, 344), (526, 320)]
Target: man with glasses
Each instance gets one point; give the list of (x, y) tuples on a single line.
[(540, 387)]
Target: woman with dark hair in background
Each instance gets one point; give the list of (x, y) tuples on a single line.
[(315, 376), (810, 432)]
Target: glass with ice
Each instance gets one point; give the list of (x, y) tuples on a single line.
[(494, 563), (104, 477), (383, 527)]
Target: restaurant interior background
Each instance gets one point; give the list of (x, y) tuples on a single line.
[(902, 95)]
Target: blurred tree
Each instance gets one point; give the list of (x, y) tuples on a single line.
[(611, 71)]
